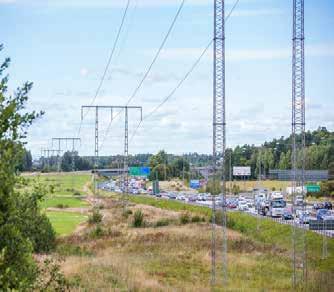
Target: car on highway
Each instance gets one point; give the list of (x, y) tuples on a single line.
[(172, 196), (232, 205), (299, 201), (181, 197), (328, 216), (242, 205), (305, 218), (322, 214), (318, 206), (328, 205), (287, 215)]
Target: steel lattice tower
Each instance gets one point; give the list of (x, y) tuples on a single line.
[(219, 129), (298, 138)]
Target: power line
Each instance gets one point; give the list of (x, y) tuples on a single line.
[(156, 56), (109, 59), (185, 77)]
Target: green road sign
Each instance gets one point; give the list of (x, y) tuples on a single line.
[(313, 188)]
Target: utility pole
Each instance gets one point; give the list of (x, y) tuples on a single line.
[(299, 257), (65, 139), (47, 153), (219, 132), (96, 136), (126, 137)]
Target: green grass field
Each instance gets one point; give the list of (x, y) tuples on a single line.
[(65, 223), (64, 184), (65, 202), (67, 188)]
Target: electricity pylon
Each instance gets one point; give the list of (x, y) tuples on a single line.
[(126, 139), (219, 136), (66, 139), (299, 256)]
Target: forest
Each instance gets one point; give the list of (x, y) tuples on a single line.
[(275, 154)]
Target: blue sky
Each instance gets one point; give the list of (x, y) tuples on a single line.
[(62, 46)]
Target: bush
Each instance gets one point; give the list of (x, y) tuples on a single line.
[(96, 217), (138, 219), (61, 206), (196, 219), (97, 232), (184, 218), (17, 267), (76, 193), (33, 224), (72, 250), (126, 213), (162, 222), (219, 218)]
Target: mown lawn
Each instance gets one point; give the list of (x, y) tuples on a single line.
[(64, 184), (65, 223), (63, 202)]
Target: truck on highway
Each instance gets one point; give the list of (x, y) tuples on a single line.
[(274, 206)]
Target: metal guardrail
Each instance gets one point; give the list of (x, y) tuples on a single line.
[(321, 224)]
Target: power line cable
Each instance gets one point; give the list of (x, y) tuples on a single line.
[(109, 60), (185, 77), (147, 72)]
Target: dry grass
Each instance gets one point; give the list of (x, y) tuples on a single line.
[(170, 258)]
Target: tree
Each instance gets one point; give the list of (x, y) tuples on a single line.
[(17, 268), (26, 162), (180, 165)]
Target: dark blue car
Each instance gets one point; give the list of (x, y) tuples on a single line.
[(321, 214), (287, 215)]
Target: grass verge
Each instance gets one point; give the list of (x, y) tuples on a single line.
[(65, 223)]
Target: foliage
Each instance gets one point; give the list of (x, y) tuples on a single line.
[(185, 218), (213, 187), (275, 154), (51, 278), (197, 219), (17, 268), (327, 188), (162, 222), (126, 213), (138, 219), (25, 163), (96, 217), (33, 224), (97, 232), (71, 161)]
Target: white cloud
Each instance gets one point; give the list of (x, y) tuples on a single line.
[(316, 50), (84, 72)]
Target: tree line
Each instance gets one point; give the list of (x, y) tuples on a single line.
[(275, 154)]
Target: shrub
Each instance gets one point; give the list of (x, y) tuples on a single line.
[(162, 222), (138, 219), (196, 219), (126, 213), (97, 232), (72, 250), (61, 206), (76, 193), (184, 218), (96, 217)]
